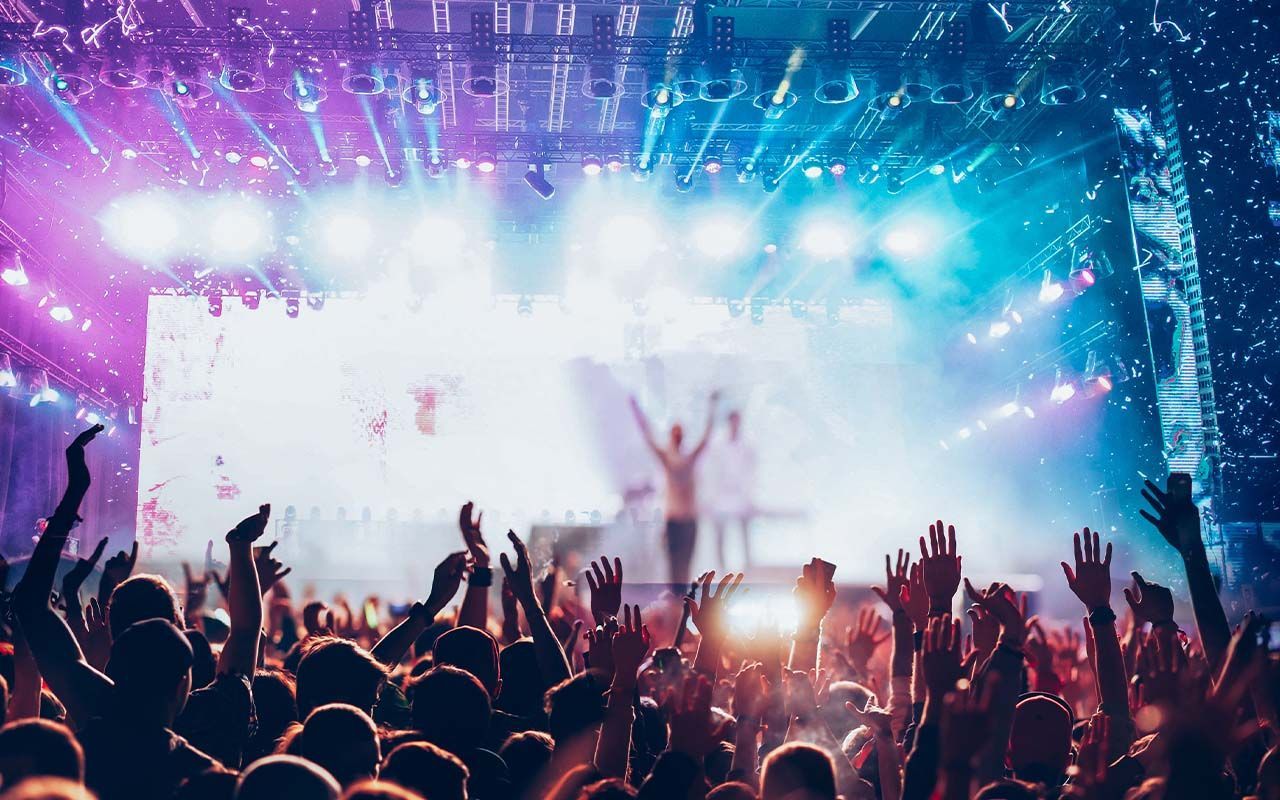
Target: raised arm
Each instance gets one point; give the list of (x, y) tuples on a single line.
[(701, 447), (82, 688), (1177, 519), (546, 647), (630, 644), (815, 593), (391, 648), (475, 603), (710, 616), (244, 596), (895, 595), (646, 430)]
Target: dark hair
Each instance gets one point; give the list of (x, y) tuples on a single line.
[(274, 777), (800, 769), (379, 790), (204, 666), (342, 739), (212, 784), (576, 705), (451, 708), (37, 747), (522, 686), (733, 790), (48, 789), (334, 670), (276, 704), (607, 789), (139, 598), (527, 754), (428, 770), (471, 649)]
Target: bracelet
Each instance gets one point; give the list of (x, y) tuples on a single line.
[(1102, 615), (481, 576)]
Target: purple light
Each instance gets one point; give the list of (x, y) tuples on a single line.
[(486, 163), (15, 277), (142, 226), (61, 313)]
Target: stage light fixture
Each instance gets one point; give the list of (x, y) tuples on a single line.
[(916, 85), (306, 94), (1061, 84), (614, 163), (891, 95), (536, 178), (712, 164), (835, 82), (757, 312), (684, 181), (241, 73), (12, 71), (486, 163), (185, 86), (61, 313), (1050, 290), (11, 271), (746, 169), (776, 102), (838, 166), (642, 167), (463, 161), (436, 167), (315, 301), (260, 159), (119, 71), (215, 304), (999, 329), (292, 304), (423, 89), (482, 74), (592, 165), (364, 77), (328, 167), (735, 306), (8, 379), (953, 85), (393, 177), (660, 100), (68, 83), (524, 305), (602, 71), (894, 184), (812, 168), (1063, 389), (723, 82), (1000, 95), (251, 300), (770, 182)]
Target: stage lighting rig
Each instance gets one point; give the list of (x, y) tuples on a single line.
[(1000, 96), (486, 163), (723, 81), (362, 75), (712, 164), (423, 90), (536, 178), (838, 166), (1061, 84), (592, 165), (482, 73), (69, 81), (953, 82), (746, 169), (302, 89), (12, 70), (891, 96), (684, 181), (292, 304), (602, 70), (835, 75), (185, 86), (917, 84), (642, 167), (241, 71), (119, 70), (770, 181), (215, 304)]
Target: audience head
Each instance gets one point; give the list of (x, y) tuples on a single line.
[(342, 739), (576, 705), (1040, 739), (527, 755), (139, 598), (150, 666), (451, 708), (379, 790), (276, 705), (797, 771), (521, 679), (212, 784), (334, 670), (32, 748), (733, 790), (428, 770), (274, 777), (473, 650), (47, 789), (607, 789)]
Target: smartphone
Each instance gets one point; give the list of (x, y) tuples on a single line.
[(370, 614), (827, 569), (399, 609)]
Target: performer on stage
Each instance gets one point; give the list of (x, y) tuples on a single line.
[(730, 478), (682, 494)]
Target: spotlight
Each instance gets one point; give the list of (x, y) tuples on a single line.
[(1097, 376), (642, 167), (812, 168), (462, 161), (1008, 409), (724, 81), (770, 182), (215, 304), (260, 160), (292, 304), (363, 77), (11, 271), (723, 87), (660, 100), (1087, 266), (536, 178), (1061, 85), (143, 226), (1063, 390), (776, 102), (614, 163), (394, 177), (591, 164), (119, 72), (684, 182), (423, 89), (241, 73), (891, 95), (1000, 93), (953, 83), (8, 379), (838, 166), (999, 329), (185, 86), (435, 166), (894, 185), (483, 81), (602, 82), (835, 86), (746, 169), (251, 300), (602, 73), (486, 163), (712, 164), (61, 314), (68, 85), (1050, 290), (305, 93)]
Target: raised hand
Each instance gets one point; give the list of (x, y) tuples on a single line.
[(862, 640), (896, 582), (630, 646), (693, 731), (940, 567), (605, 583), (116, 571), (521, 575), (815, 593), (251, 528), (750, 691), (97, 643), (77, 473), (709, 613), (916, 601), (445, 582), (966, 724), (986, 630), (998, 601), (940, 658), (1091, 578), (877, 719), (75, 577), (1175, 515), (471, 535), (1150, 602), (1091, 757), (599, 641), (268, 568)]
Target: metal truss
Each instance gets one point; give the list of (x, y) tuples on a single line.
[(1015, 9)]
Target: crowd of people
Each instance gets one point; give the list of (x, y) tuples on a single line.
[(142, 693)]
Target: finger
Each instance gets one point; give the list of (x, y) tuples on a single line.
[(266, 551), (880, 593), (626, 617), (1138, 579), (972, 592), (1160, 494), (133, 553), (591, 582), (1088, 545), (1071, 576), (1148, 517), (281, 575), (511, 573), (617, 569), (1079, 552), (599, 574), (933, 539), (1106, 561), (639, 621), (97, 551), (924, 551), (888, 575), (1129, 598), (951, 540), (608, 569)]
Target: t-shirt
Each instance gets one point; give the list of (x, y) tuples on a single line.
[(220, 718), (125, 760)]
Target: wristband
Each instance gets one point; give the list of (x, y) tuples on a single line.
[(481, 576), (917, 641), (1102, 615)]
